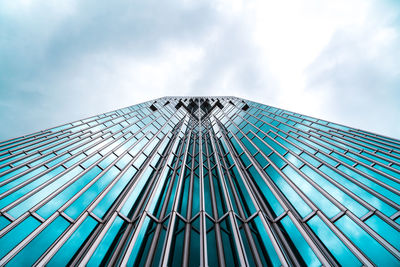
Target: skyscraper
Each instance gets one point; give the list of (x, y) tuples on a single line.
[(200, 181)]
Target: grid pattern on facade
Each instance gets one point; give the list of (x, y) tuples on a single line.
[(200, 181)]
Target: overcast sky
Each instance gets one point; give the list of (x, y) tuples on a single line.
[(65, 60)]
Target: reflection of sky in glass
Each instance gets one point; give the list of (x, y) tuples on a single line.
[(366, 243)]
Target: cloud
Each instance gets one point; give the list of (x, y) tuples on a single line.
[(231, 64), (359, 73), (64, 61)]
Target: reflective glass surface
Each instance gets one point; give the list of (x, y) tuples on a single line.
[(200, 181)]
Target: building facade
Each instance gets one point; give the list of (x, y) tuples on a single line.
[(200, 181)]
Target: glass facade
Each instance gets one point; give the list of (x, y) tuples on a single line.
[(200, 181)]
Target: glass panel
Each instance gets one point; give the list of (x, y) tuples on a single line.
[(91, 160), (300, 243), (376, 202), (28, 255), (21, 179), (371, 184), (295, 161), (17, 234), (111, 196), (342, 254), (384, 230), (289, 192), (334, 191), (107, 161), (55, 203), (11, 174), (135, 194), (71, 246), (24, 190), (366, 243), (38, 196), (82, 202), (107, 244), (312, 193), (58, 160), (74, 160), (272, 256)]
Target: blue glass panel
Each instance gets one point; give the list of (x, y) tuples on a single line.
[(105, 243), (134, 195), (304, 249), (245, 160), (361, 159), (107, 161), (124, 161), (366, 243), (17, 234), (262, 146), (310, 159), (261, 160), (28, 255), (267, 243), (91, 160), (291, 147), (242, 192), (11, 158), (139, 241), (139, 161), (248, 145), (21, 179), (74, 160), (235, 144), (24, 190), (76, 208), (312, 193), (150, 147), (376, 202), (334, 191), (385, 230), (11, 174), (295, 161), (110, 147), (382, 178), (55, 203), (385, 208), (70, 247), (342, 254), (269, 196), (306, 146), (25, 159), (342, 158), (376, 158), (125, 146), (138, 146), (40, 161), (4, 168), (277, 160), (110, 197), (326, 159), (289, 192), (3, 222), (390, 172), (44, 192), (58, 160), (275, 146)]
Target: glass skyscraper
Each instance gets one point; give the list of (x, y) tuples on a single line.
[(200, 181)]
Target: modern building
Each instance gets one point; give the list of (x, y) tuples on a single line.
[(200, 181)]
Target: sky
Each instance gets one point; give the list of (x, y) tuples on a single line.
[(62, 61)]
